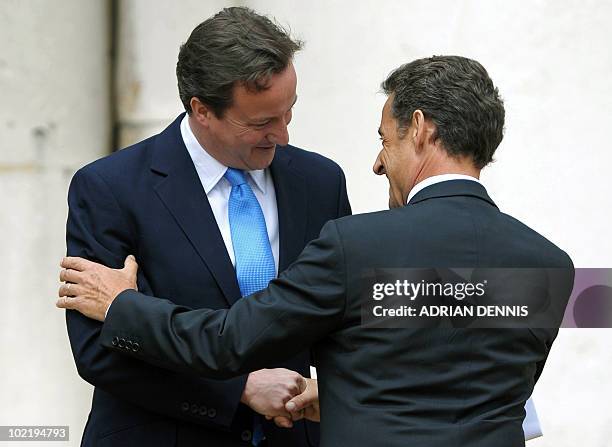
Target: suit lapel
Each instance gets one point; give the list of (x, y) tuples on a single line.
[(179, 188), (292, 205)]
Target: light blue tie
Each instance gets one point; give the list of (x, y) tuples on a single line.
[(252, 251)]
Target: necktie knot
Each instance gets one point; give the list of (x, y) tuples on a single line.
[(236, 177)]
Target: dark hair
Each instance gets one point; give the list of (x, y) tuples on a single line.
[(236, 45), (457, 94)]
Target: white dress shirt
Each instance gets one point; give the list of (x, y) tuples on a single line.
[(218, 189)]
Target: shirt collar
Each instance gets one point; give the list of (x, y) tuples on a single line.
[(210, 170), (437, 179), (259, 178)]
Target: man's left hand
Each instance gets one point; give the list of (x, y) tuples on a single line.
[(90, 288)]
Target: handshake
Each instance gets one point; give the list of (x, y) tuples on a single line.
[(282, 395)]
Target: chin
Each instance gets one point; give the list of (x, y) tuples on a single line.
[(261, 158)]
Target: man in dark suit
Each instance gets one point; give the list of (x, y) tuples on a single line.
[(431, 386), (166, 200)]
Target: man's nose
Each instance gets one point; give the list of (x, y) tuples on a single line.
[(378, 168), (280, 134)]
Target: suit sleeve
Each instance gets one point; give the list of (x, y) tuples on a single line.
[(561, 280), (344, 206), (97, 229), (303, 305)]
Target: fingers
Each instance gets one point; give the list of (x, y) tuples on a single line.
[(297, 402), (67, 275), (296, 384), (70, 290), (298, 415), (67, 303), (304, 405), (78, 264), (302, 384), (282, 422)]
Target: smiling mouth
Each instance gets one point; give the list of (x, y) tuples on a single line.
[(266, 147)]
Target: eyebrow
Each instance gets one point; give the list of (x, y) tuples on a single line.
[(264, 120)]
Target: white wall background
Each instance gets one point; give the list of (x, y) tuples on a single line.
[(550, 59), (54, 117)]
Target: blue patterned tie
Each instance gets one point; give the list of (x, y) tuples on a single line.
[(252, 251)]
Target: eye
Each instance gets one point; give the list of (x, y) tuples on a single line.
[(259, 126)]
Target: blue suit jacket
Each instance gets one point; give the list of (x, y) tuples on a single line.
[(147, 200)]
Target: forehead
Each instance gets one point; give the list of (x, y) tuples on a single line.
[(273, 101), (387, 122)]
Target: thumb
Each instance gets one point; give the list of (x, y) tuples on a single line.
[(299, 402), (130, 265)]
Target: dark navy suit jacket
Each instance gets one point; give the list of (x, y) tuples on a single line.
[(147, 200), (443, 386)]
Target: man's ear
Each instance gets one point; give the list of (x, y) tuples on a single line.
[(418, 130), (201, 112)]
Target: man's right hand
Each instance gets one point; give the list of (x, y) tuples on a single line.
[(302, 406), (268, 390)]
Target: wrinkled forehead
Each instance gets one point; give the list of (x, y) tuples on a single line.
[(386, 118)]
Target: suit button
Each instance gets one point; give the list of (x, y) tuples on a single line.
[(115, 341), (122, 343), (128, 345), (246, 435), (135, 346), (212, 412), (185, 406), (202, 410), (194, 408)]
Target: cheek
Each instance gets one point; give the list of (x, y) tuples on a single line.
[(391, 161), (224, 134), (251, 138)]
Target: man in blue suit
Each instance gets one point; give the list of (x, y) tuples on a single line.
[(204, 205)]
